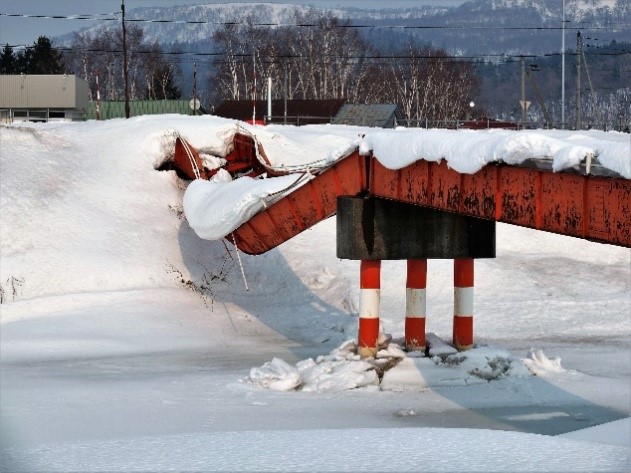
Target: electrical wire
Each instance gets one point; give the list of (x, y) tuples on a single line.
[(315, 25)]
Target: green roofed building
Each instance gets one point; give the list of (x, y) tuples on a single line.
[(116, 108)]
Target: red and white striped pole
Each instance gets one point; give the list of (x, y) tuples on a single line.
[(416, 304), (370, 287), (463, 304)]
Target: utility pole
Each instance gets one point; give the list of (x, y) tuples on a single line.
[(591, 88), (525, 105), (269, 99), (286, 91), (548, 122), (563, 68), (98, 97), (579, 56), (125, 77), (254, 88), (194, 88)]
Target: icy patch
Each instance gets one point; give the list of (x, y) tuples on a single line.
[(612, 433), (541, 365)]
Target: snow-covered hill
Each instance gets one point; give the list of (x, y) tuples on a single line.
[(550, 10), (215, 15), (168, 25)]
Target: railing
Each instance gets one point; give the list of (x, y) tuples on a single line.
[(298, 119)]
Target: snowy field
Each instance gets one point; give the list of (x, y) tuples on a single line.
[(127, 343)]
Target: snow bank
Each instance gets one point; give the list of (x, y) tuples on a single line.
[(392, 369)]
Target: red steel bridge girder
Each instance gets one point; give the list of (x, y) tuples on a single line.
[(584, 206), (307, 205)]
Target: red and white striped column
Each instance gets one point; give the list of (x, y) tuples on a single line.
[(416, 304), (463, 303), (369, 297)]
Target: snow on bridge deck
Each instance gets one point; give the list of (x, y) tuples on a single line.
[(221, 206)]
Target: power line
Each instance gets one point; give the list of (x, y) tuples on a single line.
[(108, 17), (485, 58)]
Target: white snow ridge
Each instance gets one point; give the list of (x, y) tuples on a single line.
[(343, 369)]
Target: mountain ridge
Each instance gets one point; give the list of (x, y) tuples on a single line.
[(462, 30)]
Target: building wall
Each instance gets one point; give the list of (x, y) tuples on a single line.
[(41, 97)]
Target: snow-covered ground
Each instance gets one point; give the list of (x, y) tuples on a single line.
[(129, 343)]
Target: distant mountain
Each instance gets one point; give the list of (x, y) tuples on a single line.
[(514, 27), (215, 15), (479, 27)]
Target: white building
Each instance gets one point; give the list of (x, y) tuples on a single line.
[(43, 98)]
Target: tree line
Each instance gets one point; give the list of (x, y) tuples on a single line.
[(41, 58), (151, 75), (330, 60)]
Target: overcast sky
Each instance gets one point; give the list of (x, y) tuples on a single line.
[(17, 31)]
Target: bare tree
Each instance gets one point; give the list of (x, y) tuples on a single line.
[(151, 76), (324, 58)]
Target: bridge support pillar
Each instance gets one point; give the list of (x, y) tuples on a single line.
[(416, 304), (463, 303), (372, 230), (369, 299)]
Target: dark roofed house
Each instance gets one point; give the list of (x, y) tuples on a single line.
[(373, 115), (299, 112)]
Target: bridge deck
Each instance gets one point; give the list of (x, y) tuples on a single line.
[(584, 206), (587, 206)]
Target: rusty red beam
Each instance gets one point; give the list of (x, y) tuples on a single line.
[(303, 208), (242, 159), (584, 206)]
